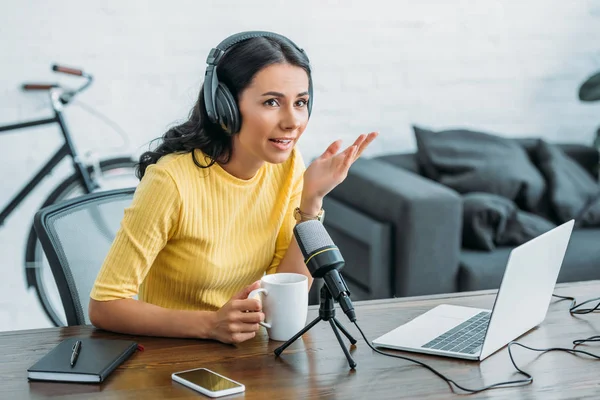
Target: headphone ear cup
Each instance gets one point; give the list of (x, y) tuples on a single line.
[(228, 115)]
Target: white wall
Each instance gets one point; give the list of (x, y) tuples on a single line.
[(509, 67)]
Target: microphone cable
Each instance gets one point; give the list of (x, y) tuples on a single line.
[(515, 383)]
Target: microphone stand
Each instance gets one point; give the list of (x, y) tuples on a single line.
[(326, 313)]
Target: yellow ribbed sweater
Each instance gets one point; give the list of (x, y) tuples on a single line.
[(193, 237)]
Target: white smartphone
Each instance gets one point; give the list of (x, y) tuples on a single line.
[(208, 382)]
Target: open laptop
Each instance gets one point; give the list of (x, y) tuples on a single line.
[(521, 304)]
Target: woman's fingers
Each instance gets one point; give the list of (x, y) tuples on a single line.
[(350, 157), (369, 138), (332, 149), (252, 317), (246, 327), (361, 138), (359, 145), (243, 294), (252, 305)]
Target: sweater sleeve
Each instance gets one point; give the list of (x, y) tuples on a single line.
[(286, 232), (148, 223)]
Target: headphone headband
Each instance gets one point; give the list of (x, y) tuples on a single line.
[(216, 53), (231, 123)]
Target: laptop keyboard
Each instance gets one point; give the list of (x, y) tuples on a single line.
[(465, 338)]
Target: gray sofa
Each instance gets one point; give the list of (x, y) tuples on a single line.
[(400, 233)]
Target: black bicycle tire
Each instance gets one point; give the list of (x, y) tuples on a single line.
[(32, 276)]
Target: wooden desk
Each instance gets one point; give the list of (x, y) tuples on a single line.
[(315, 366)]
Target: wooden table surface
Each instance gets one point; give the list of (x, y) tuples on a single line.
[(315, 366)]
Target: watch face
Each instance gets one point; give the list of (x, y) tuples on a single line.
[(321, 215)]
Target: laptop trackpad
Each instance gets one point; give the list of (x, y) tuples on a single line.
[(427, 326)]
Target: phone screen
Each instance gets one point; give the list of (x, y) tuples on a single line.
[(208, 380)]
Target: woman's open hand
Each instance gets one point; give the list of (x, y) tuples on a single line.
[(331, 168)]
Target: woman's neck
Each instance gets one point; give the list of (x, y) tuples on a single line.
[(241, 168)]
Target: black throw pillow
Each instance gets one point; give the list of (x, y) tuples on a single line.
[(490, 221), (469, 161), (572, 191), (591, 214)]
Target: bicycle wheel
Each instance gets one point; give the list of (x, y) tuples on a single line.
[(116, 173)]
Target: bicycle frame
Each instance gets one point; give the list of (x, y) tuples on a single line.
[(68, 149)]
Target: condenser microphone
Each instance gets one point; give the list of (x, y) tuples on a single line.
[(324, 260)]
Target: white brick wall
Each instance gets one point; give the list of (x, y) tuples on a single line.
[(510, 67)]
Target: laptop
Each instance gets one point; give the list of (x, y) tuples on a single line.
[(521, 304)]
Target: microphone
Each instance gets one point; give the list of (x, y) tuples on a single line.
[(324, 260)]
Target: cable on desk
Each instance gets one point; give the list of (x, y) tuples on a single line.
[(577, 342), (573, 309)]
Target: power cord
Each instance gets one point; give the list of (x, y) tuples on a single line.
[(577, 342), (574, 308), (516, 383)]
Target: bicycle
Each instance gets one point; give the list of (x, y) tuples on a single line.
[(106, 174)]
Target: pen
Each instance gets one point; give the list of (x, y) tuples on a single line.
[(75, 353)]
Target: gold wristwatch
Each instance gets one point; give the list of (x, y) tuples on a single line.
[(301, 217)]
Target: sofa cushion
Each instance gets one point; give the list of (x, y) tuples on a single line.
[(484, 270), (584, 155), (590, 217), (490, 220), (571, 189), (407, 161), (469, 161)]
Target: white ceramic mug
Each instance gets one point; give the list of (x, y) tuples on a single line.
[(284, 298)]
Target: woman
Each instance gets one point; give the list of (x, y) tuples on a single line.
[(215, 207)]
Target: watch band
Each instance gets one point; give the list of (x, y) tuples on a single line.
[(301, 216)]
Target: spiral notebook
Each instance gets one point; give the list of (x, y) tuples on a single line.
[(97, 359)]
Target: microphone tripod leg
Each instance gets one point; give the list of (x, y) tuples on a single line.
[(281, 348), (344, 331), (339, 338)]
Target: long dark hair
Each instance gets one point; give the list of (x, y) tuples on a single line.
[(236, 70)]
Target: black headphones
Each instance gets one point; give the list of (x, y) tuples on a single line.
[(220, 104)]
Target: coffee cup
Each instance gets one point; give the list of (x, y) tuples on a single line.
[(284, 298)]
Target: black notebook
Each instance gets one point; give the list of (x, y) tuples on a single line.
[(97, 359)]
